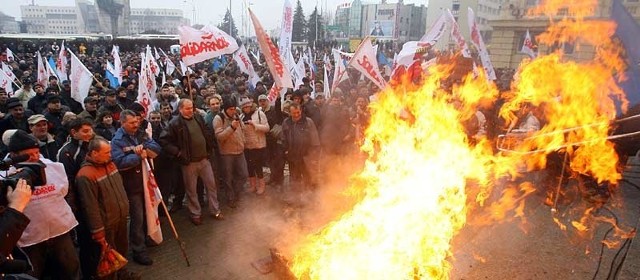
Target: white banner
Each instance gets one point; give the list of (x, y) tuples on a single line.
[(436, 31), (5, 82), (327, 92), (152, 198), (81, 79), (152, 63), (117, 63), (170, 66), (244, 63), (8, 71), (457, 35), (300, 72), (206, 43), (280, 73), (42, 77), (364, 60), (527, 46), (146, 86), (284, 45), (62, 64), (477, 41), (341, 60), (10, 56)]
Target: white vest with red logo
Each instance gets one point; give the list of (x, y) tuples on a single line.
[(49, 212)]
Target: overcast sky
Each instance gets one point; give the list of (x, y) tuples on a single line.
[(268, 12)]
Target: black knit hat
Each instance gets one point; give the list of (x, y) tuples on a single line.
[(21, 140), (227, 103)]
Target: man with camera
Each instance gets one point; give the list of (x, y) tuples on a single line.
[(47, 239), (12, 223)]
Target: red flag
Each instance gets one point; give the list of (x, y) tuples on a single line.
[(279, 71)]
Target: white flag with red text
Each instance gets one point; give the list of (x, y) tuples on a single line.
[(476, 39), (341, 59), (10, 56), (152, 63), (147, 85), (286, 29), (244, 63), (8, 71), (62, 64), (152, 198), (457, 35), (42, 77), (279, 72), (206, 43), (527, 46), (364, 60), (80, 78), (6, 83), (327, 91)]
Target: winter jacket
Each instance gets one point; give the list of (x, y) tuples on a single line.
[(300, 138), (176, 139), (49, 148), (230, 141), (101, 195), (128, 162), (71, 155), (255, 135)]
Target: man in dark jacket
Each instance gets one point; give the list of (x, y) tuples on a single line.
[(129, 147), (72, 154), (191, 142), (302, 147), (105, 206)]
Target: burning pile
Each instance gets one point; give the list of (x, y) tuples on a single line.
[(414, 188)]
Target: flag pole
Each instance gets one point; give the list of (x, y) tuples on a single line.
[(175, 233)]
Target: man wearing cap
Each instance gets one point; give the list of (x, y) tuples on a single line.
[(16, 118), (47, 239), (26, 92), (228, 130), (37, 103), (110, 103), (90, 108), (54, 114), (39, 129)]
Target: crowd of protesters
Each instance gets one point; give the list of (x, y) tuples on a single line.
[(211, 135)]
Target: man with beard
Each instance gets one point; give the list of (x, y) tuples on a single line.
[(48, 145), (165, 96), (90, 109)]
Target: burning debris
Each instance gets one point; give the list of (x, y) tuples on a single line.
[(426, 171)]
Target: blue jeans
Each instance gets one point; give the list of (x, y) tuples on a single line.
[(234, 168), (204, 170), (136, 224)]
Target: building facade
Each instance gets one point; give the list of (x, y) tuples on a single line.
[(8, 24), (86, 17), (163, 20), (510, 28), (386, 21)]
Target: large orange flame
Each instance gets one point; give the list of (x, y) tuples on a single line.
[(413, 191)]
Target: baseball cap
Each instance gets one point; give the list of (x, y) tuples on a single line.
[(36, 119)]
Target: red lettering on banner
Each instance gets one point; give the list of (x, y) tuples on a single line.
[(4, 83), (207, 37), (369, 68), (245, 61), (276, 55), (196, 48), (287, 19), (44, 190)]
